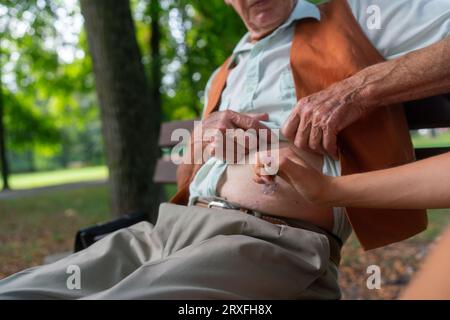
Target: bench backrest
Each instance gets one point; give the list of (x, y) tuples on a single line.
[(166, 170), (428, 113)]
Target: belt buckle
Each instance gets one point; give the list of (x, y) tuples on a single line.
[(256, 214), (224, 204), (217, 204)]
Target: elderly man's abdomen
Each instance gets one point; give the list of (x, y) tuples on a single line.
[(237, 186)]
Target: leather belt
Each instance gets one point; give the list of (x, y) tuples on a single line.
[(219, 203)]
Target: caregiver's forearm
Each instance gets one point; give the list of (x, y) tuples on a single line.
[(417, 75), (420, 185)]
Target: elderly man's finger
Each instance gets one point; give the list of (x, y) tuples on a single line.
[(243, 121), (302, 137), (304, 129), (291, 126), (315, 139), (330, 144)]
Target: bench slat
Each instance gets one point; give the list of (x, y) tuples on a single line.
[(424, 153), (429, 113), (168, 127), (166, 172)]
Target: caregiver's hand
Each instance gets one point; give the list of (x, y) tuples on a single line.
[(317, 119), (423, 184), (307, 181)]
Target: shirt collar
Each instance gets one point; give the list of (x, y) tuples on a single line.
[(303, 10)]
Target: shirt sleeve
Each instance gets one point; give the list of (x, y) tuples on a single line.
[(404, 25)]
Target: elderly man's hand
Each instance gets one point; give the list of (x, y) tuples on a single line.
[(206, 134), (317, 119)]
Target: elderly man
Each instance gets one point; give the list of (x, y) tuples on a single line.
[(313, 72)]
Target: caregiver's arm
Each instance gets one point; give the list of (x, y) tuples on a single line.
[(420, 185), (317, 119)]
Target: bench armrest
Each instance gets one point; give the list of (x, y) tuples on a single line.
[(87, 236)]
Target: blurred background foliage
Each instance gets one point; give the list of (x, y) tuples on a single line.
[(51, 114)]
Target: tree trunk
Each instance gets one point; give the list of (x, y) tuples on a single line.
[(155, 44), (155, 67), (128, 114), (3, 158), (64, 156), (30, 159)]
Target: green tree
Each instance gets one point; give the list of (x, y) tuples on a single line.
[(3, 160), (45, 91), (10, 23), (130, 129), (201, 35)]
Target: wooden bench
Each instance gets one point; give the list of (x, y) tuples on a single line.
[(429, 113)]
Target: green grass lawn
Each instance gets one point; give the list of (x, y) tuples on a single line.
[(38, 225), (441, 140), (35, 226), (41, 179)]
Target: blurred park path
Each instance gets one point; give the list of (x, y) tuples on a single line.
[(14, 194)]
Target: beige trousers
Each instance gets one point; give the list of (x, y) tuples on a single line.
[(191, 253)]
